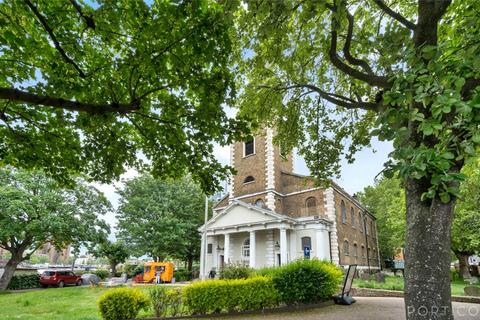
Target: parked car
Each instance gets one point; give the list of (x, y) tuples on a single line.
[(59, 278)]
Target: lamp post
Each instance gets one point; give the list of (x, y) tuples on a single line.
[(204, 242)]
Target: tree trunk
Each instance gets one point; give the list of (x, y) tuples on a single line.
[(9, 270), (463, 264), (189, 263), (427, 255), (113, 267)]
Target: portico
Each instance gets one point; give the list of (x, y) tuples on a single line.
[(257, 237)]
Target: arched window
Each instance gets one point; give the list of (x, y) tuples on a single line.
[(360, 226), (346, 248), (249, 147), (363, 251), (355, 250), (343, 209), (259, 203), (249, 179), (352, 217), (246, 248), (366, 226), (311, 204), (306, 242)]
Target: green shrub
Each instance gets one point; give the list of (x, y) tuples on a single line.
[(122, 304), (230, 295), (455, 275), (307, 281), (24, 281), (101, 273), (175, 301), (236, 271), (132, 269), (267, 271), (182, 275), (158, 298)]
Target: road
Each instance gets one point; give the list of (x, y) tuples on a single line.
[(369, 308)]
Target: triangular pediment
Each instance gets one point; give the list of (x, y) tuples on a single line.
[(239, 213)]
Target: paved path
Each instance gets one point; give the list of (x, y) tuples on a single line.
[(369, 308)]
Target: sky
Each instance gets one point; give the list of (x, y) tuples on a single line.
[(354, 177)]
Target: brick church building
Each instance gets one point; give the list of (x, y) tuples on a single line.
[(272, 215)]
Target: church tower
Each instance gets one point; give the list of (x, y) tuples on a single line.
[(259, 165)]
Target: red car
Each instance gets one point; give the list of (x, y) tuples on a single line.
[(59, 278)]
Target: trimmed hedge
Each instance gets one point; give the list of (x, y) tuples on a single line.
[(230, 295), (236, 271), (24, 281), (182, 275), (307, 281), (122, 304)]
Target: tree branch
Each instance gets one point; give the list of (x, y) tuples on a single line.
[(87, 18), (373, 80), (348, 42), (336, 99), (54, 39), (395, 15), (16, 95)]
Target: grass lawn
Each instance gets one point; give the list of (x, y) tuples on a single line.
[(75, 303), (396, 283)]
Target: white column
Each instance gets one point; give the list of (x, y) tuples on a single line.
[(226, 253), (322, 246), (253, 251), (270, 248), (283, 246), (202, 258), (331, 213), (215, 253)]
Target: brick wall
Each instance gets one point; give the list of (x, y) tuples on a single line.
[(354, 234)]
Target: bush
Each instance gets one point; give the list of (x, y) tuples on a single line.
[(183, 275), (101, 273), (236, 271), (24, 281), (132, 269), (165, 301), (307, 281), (230, 295), (122, 304)]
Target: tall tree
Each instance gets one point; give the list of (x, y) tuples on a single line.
[(116, 252), (328, 73), (161, 217), (386, 200), (466, 223), (87, 86), (34, 211)]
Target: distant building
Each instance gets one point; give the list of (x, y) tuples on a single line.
[(54, 255), (272, 215)]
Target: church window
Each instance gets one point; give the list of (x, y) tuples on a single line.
[(209, 248), (363, 251), (259, 203), (366, 226), (306, 242), (249, 147), (311, 205), (344, 212), (249, 179), (346, 248), (246, 248), (360, 222), (352, 217), (355, 251)]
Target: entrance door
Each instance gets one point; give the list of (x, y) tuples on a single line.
[(222, 262)]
